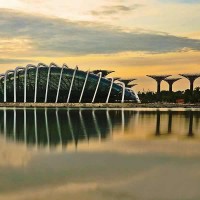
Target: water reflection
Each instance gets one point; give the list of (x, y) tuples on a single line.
[(190, 131), (157, 123), (170, 122), (52, 127), (188, 121)]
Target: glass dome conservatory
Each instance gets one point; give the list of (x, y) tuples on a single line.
[(56, 84)]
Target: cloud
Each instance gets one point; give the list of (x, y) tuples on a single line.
[(54, 36), (10, 60), (115, 9), (180, 1)]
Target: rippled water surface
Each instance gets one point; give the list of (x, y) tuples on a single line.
[(98, 154)]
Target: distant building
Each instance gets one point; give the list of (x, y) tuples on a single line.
[(55, 84), (180, 101)]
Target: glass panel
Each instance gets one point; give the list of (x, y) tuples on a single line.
[(41, 83), (77, 86), (90, 88), (20, 86), (53, 84), (10, 87)]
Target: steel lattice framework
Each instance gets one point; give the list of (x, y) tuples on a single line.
[(56, 84)]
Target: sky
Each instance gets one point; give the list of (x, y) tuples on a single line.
[(132, 37)]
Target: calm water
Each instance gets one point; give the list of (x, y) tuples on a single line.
[(98, 154)]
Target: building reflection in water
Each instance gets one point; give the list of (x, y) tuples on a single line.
[(190, 130), (157, 133), (170, 122), (187, 115), (52, 127)]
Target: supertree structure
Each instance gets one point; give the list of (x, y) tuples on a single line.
[(171, 81), (191, 78), (158, 79)]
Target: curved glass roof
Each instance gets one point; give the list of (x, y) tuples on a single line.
[(22, 85)]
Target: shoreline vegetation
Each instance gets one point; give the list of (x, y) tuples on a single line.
[(101, 105), (187, 96), (164, 99)]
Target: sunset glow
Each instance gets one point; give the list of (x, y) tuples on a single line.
[(134, 38)]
